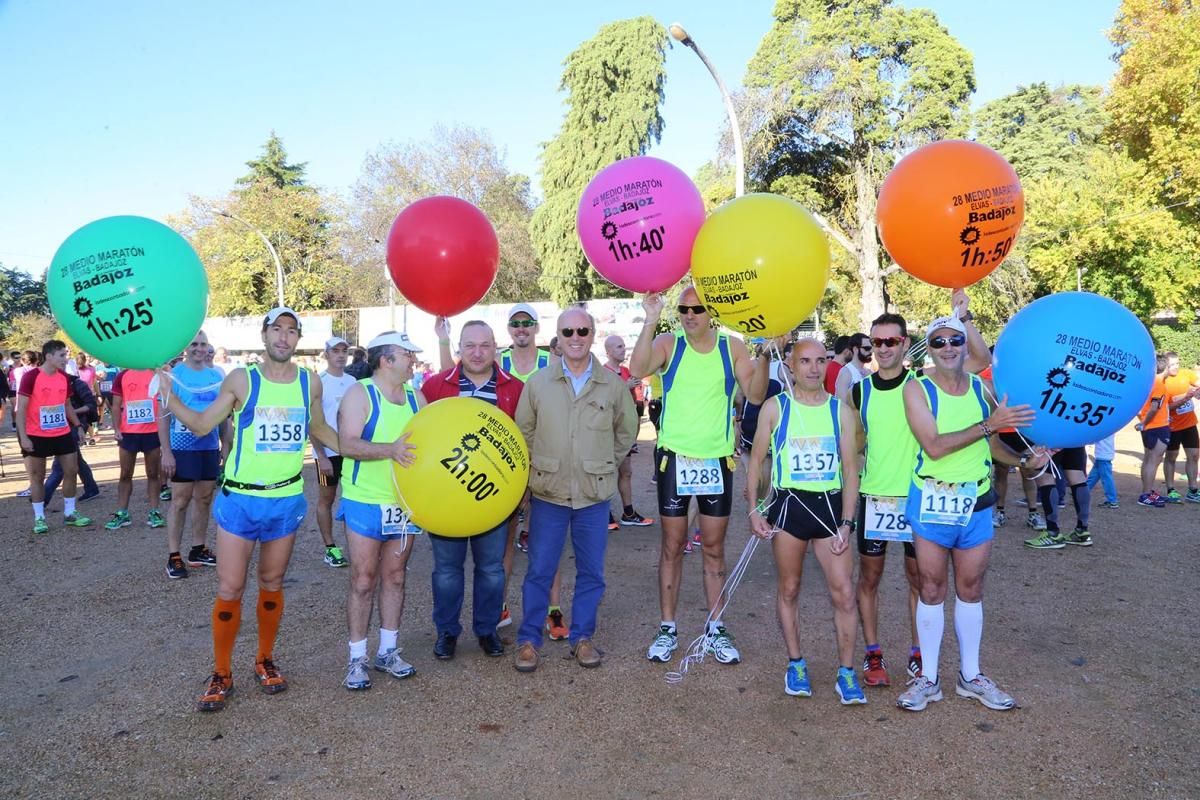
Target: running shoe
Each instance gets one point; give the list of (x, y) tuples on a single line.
[(849, 692), (119, 519), (612, 523), (1151, 499), (1036, 521), (165, 492), (663, 645), (636, 520), (391, 663), (334, 557), (83, 498), (357, 675), (24, 493), (76, 521), (505, 618), (914, 664), (689, 547), (796, 682), (875, 669), (1079, 536), (982, 688), (269, 678), (1050, 540), (175, 567), (1021, 501), (1173, 496), (201, 557), (155, 519), (1193, 496), (40, 526), (1115, 504), (523, 541), (555, 627), (720, 646), (219, 689), (998, 520), (920, 692)]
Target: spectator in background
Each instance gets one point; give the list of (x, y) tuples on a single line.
[(357, 368), (1102, 471), (841, 354)]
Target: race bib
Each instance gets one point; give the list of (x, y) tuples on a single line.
[(698, 476), (105, 387), (139, 412), (178, 427), (278, 430), (885, 520), (392, 522), (812, 458), (947, 503), (52, 418), (1184, 408)]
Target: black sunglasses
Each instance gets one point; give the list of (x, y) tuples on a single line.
[(697, 310), (567, 333), (887, 341), (522, 323), (938, 342)]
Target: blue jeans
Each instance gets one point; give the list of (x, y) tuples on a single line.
[(85, 474), (1102, 473), (449, 555), (548, 525)]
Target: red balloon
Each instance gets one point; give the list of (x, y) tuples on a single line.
[(443, 254)]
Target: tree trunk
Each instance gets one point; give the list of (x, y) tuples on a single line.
[(869, 273)]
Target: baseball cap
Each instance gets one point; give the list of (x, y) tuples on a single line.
[(276, 313), (523, 308), (952, 322), (392, 337), (334, 341)]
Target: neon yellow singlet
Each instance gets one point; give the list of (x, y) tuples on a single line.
[(371, 481), (697, 401), (973, 463), (804, 442), (506, 364), (269, 436), (891, 446)]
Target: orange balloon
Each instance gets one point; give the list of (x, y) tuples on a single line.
[(950, 212)]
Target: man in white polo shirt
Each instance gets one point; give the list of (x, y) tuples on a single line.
[(335, 382)]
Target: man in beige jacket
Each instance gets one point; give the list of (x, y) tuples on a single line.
[(579, 422)]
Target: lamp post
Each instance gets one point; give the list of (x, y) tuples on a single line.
[(267, 242), (739, 156)]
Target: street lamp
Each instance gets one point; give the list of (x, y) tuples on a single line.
[(267, 242), (739, 155)]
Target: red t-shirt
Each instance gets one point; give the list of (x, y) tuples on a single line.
[(140, 411), (46, 412), (832, 368), (625, 375)]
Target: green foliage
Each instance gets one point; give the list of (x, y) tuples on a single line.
[(29, 331), (614, 85), (272, 167), (1042, 131), (20, 293), (1182, 339)]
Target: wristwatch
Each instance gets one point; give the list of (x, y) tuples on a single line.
[(1024, 460), (849, 523)]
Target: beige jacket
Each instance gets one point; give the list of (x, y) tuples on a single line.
[(576, 443)]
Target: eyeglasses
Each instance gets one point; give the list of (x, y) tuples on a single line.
[(938, 342), (522, 323), (887, 341), (697, 310), (567, 333)]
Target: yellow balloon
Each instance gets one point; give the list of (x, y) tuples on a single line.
[(760, 264), (471, 468)]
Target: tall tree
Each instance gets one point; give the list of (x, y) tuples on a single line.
[(1155, 99), (614, 85), (20, 293), (272, 167), (459, 161), (844, 88), (1044, 131)]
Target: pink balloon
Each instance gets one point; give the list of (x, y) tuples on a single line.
[(637, 221)]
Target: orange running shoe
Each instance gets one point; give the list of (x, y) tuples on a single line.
[(875, 669), (219, 688), (269, 678), (555, 626)]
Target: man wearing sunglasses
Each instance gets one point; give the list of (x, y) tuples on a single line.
[(702, 370), (856, 367), (953, 418), (579, 421), (523, 358)]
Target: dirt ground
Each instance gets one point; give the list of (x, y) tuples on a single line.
[(104, 658)]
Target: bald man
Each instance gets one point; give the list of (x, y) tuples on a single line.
[(614, 349)]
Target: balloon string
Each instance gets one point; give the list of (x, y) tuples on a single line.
[(1030, 446), (405, 516)]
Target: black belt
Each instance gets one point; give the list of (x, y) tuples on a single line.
[(979, 482), (258, 487)]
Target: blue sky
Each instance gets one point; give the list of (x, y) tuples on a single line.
[(128, 108)]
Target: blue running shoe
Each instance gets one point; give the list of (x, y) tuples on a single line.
[(848, 689), (796, 682)]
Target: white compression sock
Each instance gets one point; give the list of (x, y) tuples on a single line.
[(387, 640), (968, 627), (68, 506), (931, 621), (358, 649), (39, 510)]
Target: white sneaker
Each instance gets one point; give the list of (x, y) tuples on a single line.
[(357, 676), (1036, 521), (663, 646), (920, 693), (983, 689), (391, 663), (720, 646)]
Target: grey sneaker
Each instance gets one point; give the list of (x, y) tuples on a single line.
[(998, 518), (1036, 521), (357, 676), (664, 644), (720, 646), (920, 692), (391, 663), (982, 688)]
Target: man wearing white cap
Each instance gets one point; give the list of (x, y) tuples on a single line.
[(334, 385), (523, 358), (372, 418)]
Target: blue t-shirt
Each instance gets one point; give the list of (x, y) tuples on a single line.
[(197, 389)]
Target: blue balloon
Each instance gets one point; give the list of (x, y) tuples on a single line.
[(1084, 363)]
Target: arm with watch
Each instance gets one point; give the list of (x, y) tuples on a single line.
[(848, 452)]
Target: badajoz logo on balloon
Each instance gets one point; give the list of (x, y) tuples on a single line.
[(1090, 367)]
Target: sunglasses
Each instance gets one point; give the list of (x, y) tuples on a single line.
[(522, 323), (888, 341), (567, 333), (938, 342), (697, 310)]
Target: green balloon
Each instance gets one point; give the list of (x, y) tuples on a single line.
[(128, 290)]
